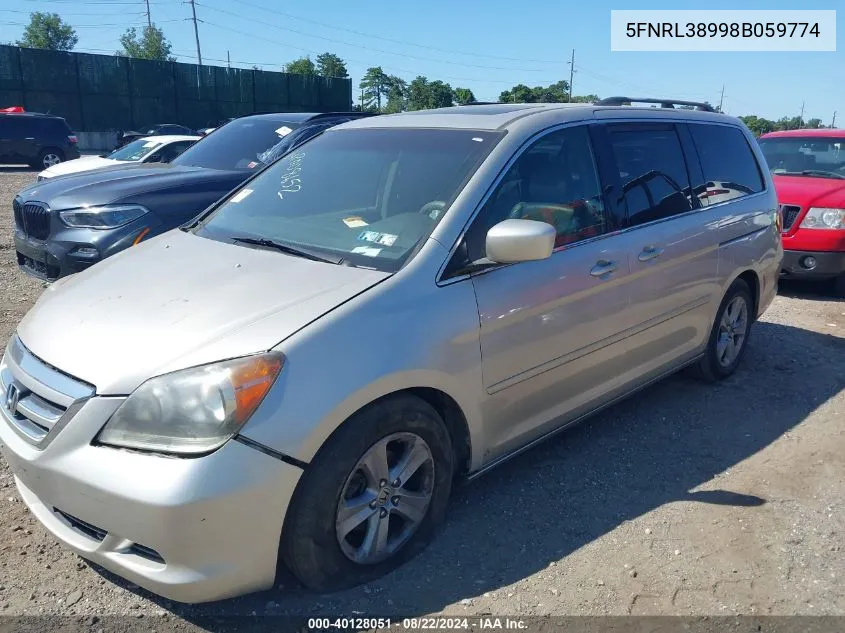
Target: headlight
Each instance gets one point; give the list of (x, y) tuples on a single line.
[(40, 178), (194, 410), (824, 218), (107, 217)]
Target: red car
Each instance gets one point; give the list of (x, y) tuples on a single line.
[(809, 173)]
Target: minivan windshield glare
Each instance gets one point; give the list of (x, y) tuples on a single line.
[(236, 145), (366, 197), (812, 157)]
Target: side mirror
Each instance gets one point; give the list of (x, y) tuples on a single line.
[(513, 241), (154, 158)]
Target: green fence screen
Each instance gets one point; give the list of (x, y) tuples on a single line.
[(102, 93)]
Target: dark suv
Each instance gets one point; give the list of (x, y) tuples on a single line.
[(39, 140), (66, 224)]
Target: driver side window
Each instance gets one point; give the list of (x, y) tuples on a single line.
[(553, 181)]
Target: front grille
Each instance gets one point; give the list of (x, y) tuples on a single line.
[(32, 218), (790, 213), (35, 397)]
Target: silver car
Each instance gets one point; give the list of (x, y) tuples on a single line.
[(297, 376)]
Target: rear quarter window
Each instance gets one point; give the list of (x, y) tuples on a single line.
[(730, 167)]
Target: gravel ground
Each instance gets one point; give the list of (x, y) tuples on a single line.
[(686, 499)]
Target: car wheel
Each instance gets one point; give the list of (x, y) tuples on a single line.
[(729, 336), (49, 157), (371, 498)]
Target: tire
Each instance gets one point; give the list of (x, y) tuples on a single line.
[(713, 366), (48, 157), (311, 546)]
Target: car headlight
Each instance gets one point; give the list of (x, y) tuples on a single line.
[(105, 217), (41, 178), (823, 218), (193, 411)]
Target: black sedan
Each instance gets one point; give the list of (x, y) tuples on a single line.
[(68, 223)]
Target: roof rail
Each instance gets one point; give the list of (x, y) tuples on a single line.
[(664, 103)]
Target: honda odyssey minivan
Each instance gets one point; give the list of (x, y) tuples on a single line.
[(296, 376)]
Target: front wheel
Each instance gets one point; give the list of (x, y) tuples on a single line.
[(372, 498), (729, 336)]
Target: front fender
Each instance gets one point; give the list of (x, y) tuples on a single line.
[(399, 335)]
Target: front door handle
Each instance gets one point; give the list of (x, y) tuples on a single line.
[(603, 267), (649, 253)]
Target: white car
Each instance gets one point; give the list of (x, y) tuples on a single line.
[(150, 149)]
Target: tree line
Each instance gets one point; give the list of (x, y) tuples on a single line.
[(379, 91)]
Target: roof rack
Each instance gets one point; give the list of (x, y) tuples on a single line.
[(664, 103)]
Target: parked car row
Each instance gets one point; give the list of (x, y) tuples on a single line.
[(354, 311)]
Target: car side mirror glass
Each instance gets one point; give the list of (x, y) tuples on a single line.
[(513, 241)]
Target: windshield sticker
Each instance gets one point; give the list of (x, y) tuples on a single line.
[(385, 239), (290, 181), (284, 130), (369, 251), (242, 194), (252, 165), (354, 222)]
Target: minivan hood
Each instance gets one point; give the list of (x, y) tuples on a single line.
[(810, 192), (179, 301), (121, 183)]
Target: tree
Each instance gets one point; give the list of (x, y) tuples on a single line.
[(150, 45), (520, 93), (397, 93), (47, 30), (374, 86), (330, 65), (584, 98), (424, 94), (814, 124), (464, 96), (301, 66), (558, 92)]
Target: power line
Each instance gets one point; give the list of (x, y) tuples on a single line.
[(357, 61), (377, 50), (395, 41), (64, 14)]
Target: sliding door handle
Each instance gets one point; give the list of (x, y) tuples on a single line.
[(649, 253), (602, 268)]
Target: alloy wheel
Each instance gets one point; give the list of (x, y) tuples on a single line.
[(385, 498), (732, 330)]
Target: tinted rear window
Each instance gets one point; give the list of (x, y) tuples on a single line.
[(729, 166), (653, 173)]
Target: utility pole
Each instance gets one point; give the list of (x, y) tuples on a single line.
[(833, 123), (149, 19), (801, 116), (228, 60), (571, 74), (196, 31), (722, 98)]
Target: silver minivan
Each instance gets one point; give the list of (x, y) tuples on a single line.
[(296, 377)]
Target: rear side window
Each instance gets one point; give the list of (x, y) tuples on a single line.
[(652, 172), (730, 168)]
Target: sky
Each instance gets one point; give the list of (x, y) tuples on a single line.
[(486, 46)]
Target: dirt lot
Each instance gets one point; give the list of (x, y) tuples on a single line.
[(687, 499)]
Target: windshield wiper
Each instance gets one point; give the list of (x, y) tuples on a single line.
[(288, 250), (815, 173)]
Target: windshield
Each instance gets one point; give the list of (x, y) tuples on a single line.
[(135, 150), (236, 145), (366, 196), (813, 157)]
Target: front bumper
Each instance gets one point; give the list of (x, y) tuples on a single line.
[(823, 264), (58, 256), (189, 529)]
